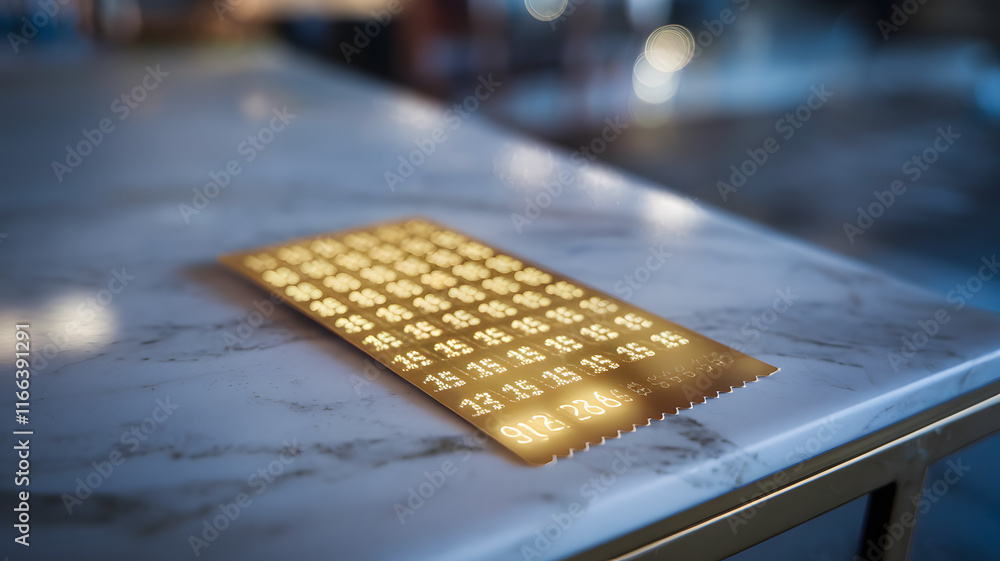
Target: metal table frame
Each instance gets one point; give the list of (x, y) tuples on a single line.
[(890, 464)]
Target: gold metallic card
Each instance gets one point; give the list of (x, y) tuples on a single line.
[(542, 363)]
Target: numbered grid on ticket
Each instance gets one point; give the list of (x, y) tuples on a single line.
[(541, 363)]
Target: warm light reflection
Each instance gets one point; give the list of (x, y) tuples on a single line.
[(76, 321), (414, 111), (670, 48), (524, 166), (255, 106), (668, 213), (277, 9), (601, 184), (537, 361), (546, 10)]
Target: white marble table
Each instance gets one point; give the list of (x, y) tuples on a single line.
[(241, 387)]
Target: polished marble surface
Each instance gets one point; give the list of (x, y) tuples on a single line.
[(347, 440)]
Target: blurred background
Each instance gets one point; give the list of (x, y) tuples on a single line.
[(724, 76), (725, 101)]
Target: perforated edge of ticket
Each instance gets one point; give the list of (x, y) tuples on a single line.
[(543, 364)]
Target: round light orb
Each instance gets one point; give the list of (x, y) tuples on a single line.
[(670, 48), (546, 10)]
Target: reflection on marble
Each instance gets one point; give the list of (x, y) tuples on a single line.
[(250, 387)]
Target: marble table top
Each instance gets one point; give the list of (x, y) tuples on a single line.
[(178, 412)]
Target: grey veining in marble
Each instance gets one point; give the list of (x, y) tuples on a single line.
[(250, 386)]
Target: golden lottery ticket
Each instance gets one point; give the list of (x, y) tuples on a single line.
[(543, 364)]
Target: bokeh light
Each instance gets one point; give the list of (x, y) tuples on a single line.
[(651, 84), (546, 10), (670, 48)]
